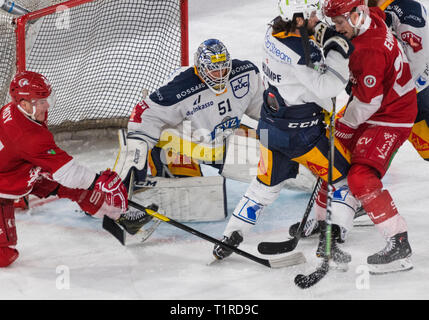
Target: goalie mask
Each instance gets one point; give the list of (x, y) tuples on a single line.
[(35, 89), (213, 64), (288, 8)]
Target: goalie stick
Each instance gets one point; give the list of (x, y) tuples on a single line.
[(294, 259), (289, 245), (307, 281)]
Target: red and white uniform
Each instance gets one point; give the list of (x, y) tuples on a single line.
[(383, 90), (382, 113), (27, 148)]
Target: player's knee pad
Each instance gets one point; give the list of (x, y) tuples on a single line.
[(8, 235), (362, 180)]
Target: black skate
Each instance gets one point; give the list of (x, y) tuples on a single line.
[(311, 227), (134, 220), (393, 258), (234, 240), (339, 257)]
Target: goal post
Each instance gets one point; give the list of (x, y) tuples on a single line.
[(102, 55)]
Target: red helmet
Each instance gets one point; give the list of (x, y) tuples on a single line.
[(334, 8), (28, 85)]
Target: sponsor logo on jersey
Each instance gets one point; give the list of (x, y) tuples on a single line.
[(198, 107), (240, 69), (240, 86), (51, 151), (7, 116), (419, 143), (227, 123), (317, 169), (413, 40), (369, 81), (271, 48), (190, 91), (384, 150)]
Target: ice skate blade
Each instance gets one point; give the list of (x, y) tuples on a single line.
[(395, 266)]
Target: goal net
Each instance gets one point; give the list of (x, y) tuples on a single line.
[(101, 56)]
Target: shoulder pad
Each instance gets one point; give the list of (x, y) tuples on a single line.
[(241, 66), (408, 12), (183, 85), (295, 44)]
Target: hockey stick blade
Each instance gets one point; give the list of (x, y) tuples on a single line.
[(290, 245), (305, 282), (114, 229), (278, 247)]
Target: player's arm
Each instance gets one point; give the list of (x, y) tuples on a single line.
[(333, 74), (63, 176), (367, 93), (254, 108)]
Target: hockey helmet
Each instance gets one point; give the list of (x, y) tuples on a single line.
[(288, 8), (335, 8), (213, 64), (34, 88)]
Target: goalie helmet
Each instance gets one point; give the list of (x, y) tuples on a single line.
[(288, 8), (213, 64)]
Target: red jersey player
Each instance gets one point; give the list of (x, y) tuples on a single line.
[(31, 162), (377, 121)]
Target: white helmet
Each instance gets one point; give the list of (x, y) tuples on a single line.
[(288, 8)]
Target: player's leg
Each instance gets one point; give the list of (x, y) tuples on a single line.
[(274, 169), (8, 237), (372, 156)]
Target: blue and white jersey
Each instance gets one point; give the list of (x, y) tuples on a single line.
[(284, 67), (408, 19), (186, 104)]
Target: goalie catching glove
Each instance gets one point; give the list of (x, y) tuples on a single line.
[(329, 39)]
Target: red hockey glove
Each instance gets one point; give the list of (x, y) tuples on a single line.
[(44, 188), (344, 133), (111, 184), (89, 201)]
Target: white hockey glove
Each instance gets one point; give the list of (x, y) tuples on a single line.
[(330, 39), (132, 158)]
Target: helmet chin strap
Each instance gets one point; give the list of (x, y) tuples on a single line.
[(31, 115), (356, 26)]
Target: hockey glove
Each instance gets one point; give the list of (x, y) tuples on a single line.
[(111, 184), (330, 39), (44, 188), (344, 133), (89, 201)]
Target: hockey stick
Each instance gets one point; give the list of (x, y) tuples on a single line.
[(289, 245), (310, 280), (290, 260)]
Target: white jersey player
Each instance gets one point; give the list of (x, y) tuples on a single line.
[(202, 104)]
